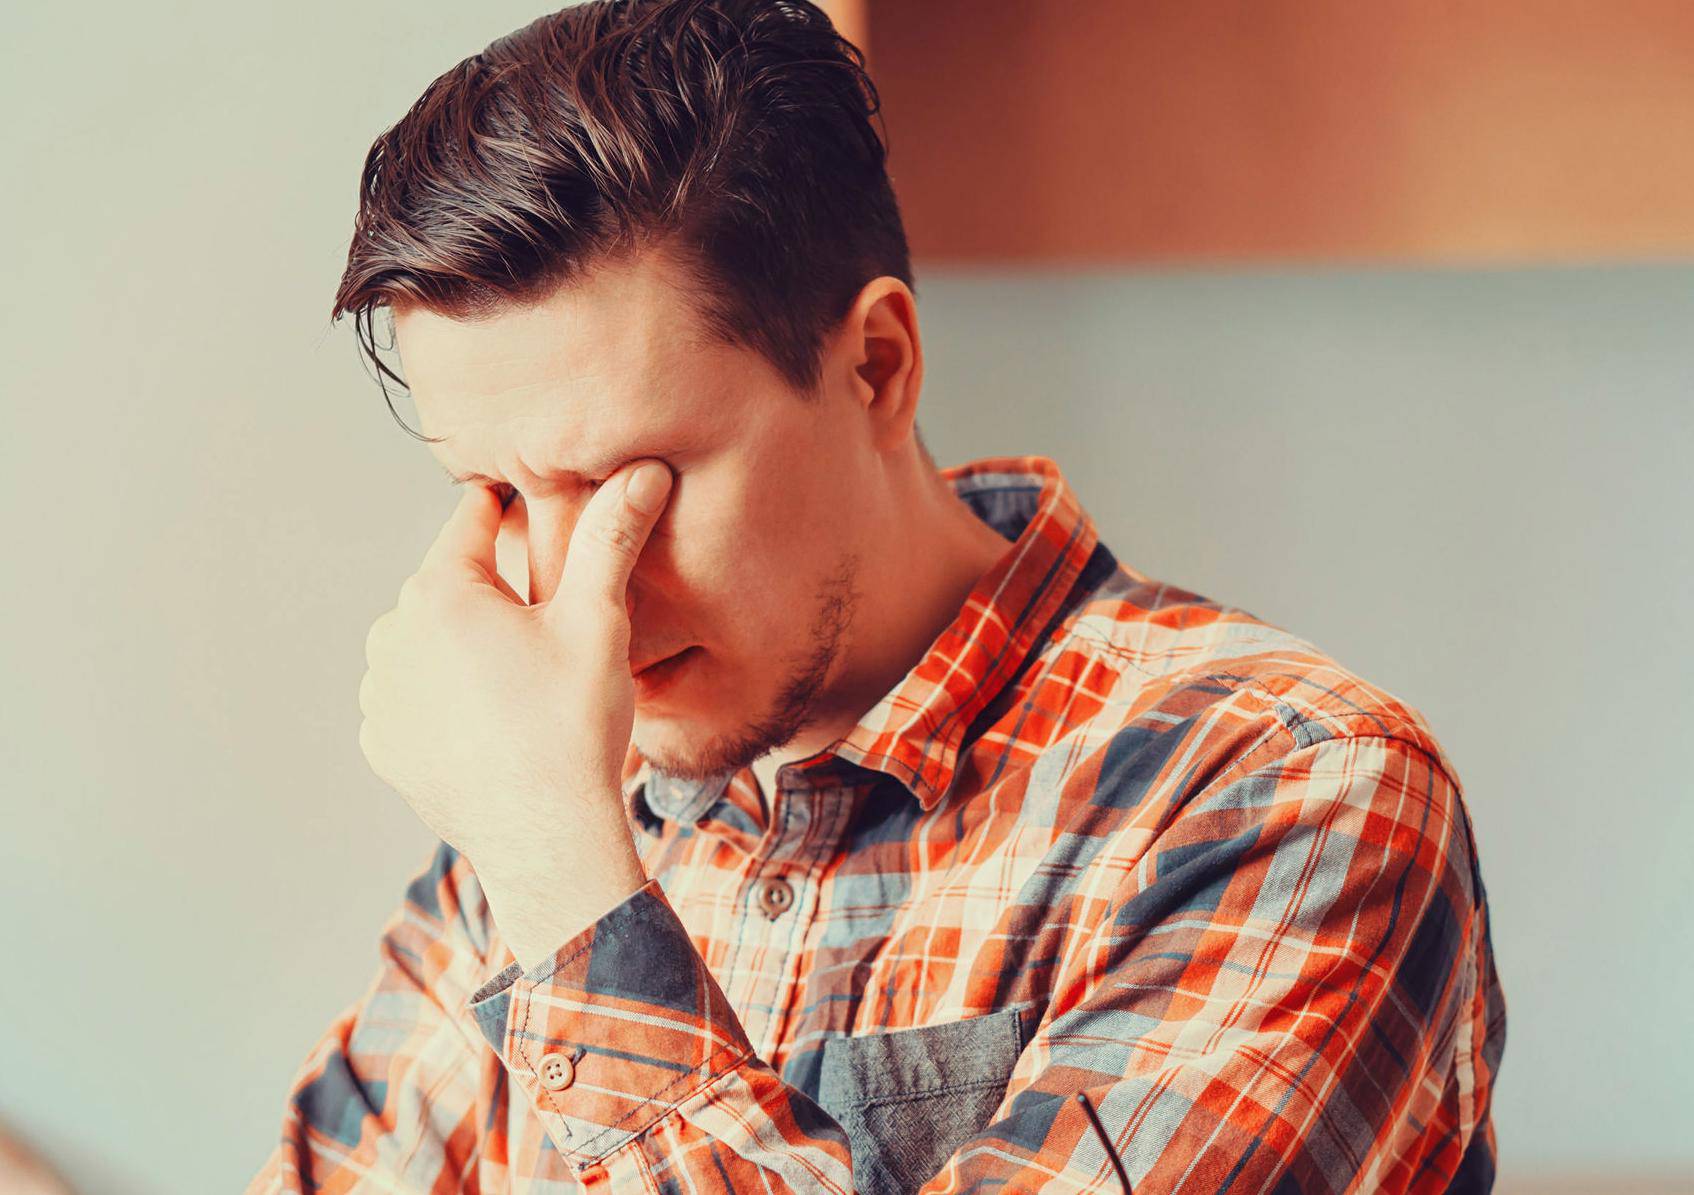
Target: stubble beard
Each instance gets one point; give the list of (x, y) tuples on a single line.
[(793, 707)]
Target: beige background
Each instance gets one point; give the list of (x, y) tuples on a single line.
[(1473, 486)]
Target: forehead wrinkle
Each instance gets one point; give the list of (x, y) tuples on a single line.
[(555, 457)]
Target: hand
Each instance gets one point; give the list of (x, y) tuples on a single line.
[(504, 725), (23, 1171)]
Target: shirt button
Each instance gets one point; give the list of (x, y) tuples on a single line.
[(557, 1071), (776, 897)]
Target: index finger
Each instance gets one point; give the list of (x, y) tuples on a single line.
[(609, 537), (467, 537)]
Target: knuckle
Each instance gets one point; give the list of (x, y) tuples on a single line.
[(415, 588), (618, 537)]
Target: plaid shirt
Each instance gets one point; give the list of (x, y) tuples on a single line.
[(1106, 836)]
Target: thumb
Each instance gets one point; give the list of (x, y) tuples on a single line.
[(608, 539)]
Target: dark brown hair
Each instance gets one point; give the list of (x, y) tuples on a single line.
[(735, 135)]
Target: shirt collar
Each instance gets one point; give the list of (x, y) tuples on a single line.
[(915, 732)]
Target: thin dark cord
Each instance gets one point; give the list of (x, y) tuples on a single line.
[(1094, 1119)]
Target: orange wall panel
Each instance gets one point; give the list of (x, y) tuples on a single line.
[(1143, 130)]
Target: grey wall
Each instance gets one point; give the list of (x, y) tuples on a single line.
[(1472, 486)]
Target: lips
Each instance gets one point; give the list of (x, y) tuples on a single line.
[(660, 675), (654, 660)]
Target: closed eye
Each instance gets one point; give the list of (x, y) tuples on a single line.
[(508, 493)]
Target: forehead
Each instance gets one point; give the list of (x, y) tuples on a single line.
[(612, 359)]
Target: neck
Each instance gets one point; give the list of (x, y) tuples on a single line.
[(928, 560)]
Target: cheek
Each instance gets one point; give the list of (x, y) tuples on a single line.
[(723, 539), (695, 538)]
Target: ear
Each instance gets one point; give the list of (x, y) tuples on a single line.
[(878, 357)]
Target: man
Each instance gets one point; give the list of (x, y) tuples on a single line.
[(813, 819)]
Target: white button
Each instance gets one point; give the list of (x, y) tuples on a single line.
[(775, 897), (557, 1071)]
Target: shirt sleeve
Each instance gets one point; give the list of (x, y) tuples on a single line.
[(637, 1066), (1291, 990), (387, 1099), (1294, 991)]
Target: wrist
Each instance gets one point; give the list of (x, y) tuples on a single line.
[(536, 914)]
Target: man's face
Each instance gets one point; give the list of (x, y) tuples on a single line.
[(752, 563)]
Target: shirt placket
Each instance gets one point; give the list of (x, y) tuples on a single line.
[(776, 909)]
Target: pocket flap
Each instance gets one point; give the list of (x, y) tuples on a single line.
[(978, 1051)]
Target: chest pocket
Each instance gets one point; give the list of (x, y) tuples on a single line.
[(908, 1098)]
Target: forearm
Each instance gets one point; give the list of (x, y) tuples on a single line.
[(539, 898), (632, 1059)]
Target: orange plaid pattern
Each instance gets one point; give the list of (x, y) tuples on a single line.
[(1107, 836)]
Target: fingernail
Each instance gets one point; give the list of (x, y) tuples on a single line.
[(648, 487)]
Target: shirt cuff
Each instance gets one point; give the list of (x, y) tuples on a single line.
[(613, 1029)]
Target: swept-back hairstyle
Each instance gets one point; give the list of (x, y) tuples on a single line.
[(734, 134)]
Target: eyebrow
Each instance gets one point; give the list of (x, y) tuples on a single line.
[(464, 478), (599, 468)]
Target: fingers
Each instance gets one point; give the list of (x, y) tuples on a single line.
[(501, 584), (608, 538), (467, 538)]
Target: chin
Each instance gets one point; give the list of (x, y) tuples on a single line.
[(671, 721), (667, 742)]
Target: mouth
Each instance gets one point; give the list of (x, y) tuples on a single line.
[(657, 676), (660, 662)]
